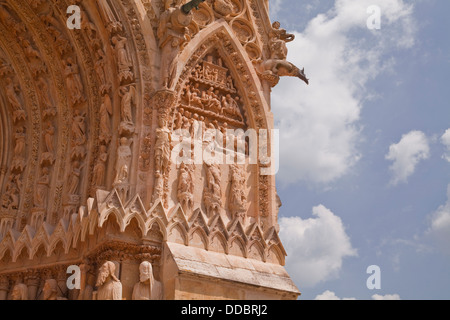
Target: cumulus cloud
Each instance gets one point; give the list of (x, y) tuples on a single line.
[(440, 224), (445, 139), (316, 247), (330, 295), (406, 155), (319, 124), (386, 297)]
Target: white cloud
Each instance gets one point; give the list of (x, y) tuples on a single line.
[(386, 297), (316, 247), (330, 295), (406, 155), (440, 225), (445, 139), (319, 124)]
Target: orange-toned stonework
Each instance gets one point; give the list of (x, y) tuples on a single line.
[(87, 175)]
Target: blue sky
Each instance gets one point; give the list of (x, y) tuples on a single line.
[(365, 151)]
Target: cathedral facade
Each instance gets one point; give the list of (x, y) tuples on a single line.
[(137, 150)]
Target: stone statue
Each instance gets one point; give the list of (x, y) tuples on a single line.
[(51, 290), (213, 193), (79, 128), (48, 137), (74, 178), (100, 167), (162, 147), (148, 288), (237, 200), (186, 187), (172, 34), (124, 157), (105, 114), (128, 96), (73, 81), (20, 292), (20, 142), (109, 287), (43, 185)]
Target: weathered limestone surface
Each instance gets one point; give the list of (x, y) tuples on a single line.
[(127, 150)]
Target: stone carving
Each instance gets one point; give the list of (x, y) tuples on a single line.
[(12, 92), (277, 66), (185, 192), (128, 95), (11, 197), (148, 288), (43, 93), (124, 157), (105, 120), (100, 65), (238, 199), (100, 167), (172, 34), (20, 292), (43, 185), (51, 290), (74, 178), (212, 195), (73, 82), (123, 61), (109, 287)]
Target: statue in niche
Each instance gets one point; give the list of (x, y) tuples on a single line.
[(73, 82), (79, 128), (48, 137), (172, 34), (238, 200), (109, 287), (124, 157), (213, 192), (230, 106), (12, 94), (128, 95), (51, 290), (148, 288), (100, 70), (11, 198), (162, 146), (43, 186), (30, 53), (43, 94), (123, 61), (20, 292), (224, 7), (105, 121), (100, 167), (20, 141), (74, 178), (186, 187)]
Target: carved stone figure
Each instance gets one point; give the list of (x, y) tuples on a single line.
[(100, 167), (51, 290), (109, 287), (162, 147), (123, 61), (48, 137), (79, 128), (20, 142), (238, 199), (186, 187), (124, 157), (73, 81), (20, 292), (74, 178), (148, 288), (105, 121), (128, 95), (213, 192), (43, 185), (172, 34)]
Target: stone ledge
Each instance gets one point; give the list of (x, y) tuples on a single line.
[(195, 261)]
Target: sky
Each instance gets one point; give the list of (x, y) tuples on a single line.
[(365, 149)]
